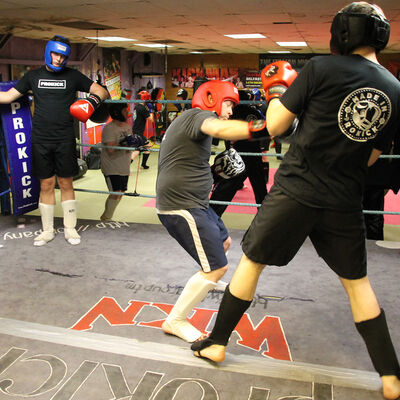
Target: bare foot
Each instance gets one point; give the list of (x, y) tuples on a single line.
[(391, 387), (206, 349), (183, 329)]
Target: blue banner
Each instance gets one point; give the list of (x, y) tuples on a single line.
[(17, 126)]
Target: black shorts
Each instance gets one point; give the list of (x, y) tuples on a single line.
[(117, 183), (201, 233), (49, 159), (282, 225)]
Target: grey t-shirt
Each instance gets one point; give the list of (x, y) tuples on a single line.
[(184, 176), (117, 163)]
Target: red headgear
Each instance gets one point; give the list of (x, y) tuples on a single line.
[(143, 95), (220, 91)]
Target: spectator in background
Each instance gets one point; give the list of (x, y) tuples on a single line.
[(141, 114), (115, 163)]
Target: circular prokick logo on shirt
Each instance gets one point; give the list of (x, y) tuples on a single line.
[(364, 113)]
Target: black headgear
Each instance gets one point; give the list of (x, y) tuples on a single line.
[(359, 24), (115, 110), (182, 93)]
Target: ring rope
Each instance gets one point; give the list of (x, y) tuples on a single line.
[(213, 152), (225, 203)]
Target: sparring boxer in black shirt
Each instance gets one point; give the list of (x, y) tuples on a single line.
[(318, 188), (54, 88)]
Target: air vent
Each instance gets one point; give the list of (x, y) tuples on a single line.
[(206, 50), (84, 25), (165, 41)]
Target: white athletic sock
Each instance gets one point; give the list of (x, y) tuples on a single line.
[(193, 293), (47, 216), (110, 206), (70, 233)]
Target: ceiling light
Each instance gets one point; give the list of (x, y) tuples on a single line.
[(154, 45), (247, 36), (196, 52), (291, 44), (279, 51), (111, 38)]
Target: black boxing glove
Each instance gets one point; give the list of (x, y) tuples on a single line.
[(258, 129)]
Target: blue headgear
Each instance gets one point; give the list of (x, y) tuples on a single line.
[(256, 93), (57, 45)]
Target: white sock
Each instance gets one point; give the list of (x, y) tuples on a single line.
[(47, 216), (110, 206), (70, 233), (193, 293)]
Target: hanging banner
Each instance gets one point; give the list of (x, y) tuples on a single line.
[(112, 72), (17, 126)]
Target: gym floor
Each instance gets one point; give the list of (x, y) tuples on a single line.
[(83, 322)]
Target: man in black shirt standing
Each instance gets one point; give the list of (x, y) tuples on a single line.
[(141, 114), (319, 185), (54, 157)]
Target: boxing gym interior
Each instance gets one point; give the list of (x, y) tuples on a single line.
[(84, 322)]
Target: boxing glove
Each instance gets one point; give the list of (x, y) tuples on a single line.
[(133, 140), (84, 108), (258, 129), (276, 78)]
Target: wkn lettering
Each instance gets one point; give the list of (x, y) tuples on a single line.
[(266, 337)]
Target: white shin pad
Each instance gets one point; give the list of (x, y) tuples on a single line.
[(193, 293), (47, 216), (70, 233)]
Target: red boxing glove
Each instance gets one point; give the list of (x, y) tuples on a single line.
[(276, 78), (258, 129), (84, 108)]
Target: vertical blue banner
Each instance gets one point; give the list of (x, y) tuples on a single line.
[(17, 126)]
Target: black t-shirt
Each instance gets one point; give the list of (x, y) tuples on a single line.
[(140, 114), (346, 105), (53, 92)]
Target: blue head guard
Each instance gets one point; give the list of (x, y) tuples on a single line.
[(256, 93), (58, 44)]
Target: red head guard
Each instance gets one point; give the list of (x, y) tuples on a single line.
[(143, 95), (220, 91)]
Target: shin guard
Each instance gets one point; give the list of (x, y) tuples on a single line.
[(229, 314), (376, 336)]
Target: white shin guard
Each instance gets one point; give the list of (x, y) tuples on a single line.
[(70, 218), (47, 216), (193, 293)]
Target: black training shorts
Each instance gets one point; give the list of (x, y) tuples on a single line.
[(117, 183), (49, 159), (282, 224)]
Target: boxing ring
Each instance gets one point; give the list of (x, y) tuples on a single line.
[(84, 322)]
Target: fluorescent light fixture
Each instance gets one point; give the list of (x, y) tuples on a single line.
[(111, 38), (247, 36), (279, 51), (196, 52), (154, 45), (292, 44)]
